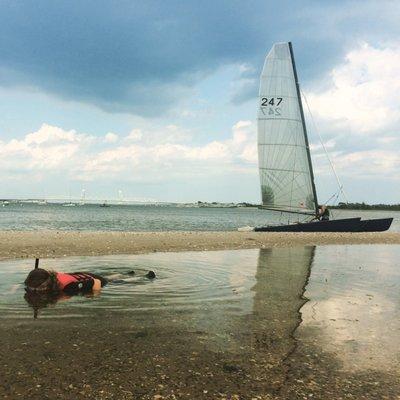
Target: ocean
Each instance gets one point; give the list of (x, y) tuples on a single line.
[(92, 217)]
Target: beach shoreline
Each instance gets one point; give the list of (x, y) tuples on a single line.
[(54, 244)]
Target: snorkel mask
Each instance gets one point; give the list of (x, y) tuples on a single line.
[(41, 273)]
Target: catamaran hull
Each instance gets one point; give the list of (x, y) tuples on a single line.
[(337, 225), (375, 225)]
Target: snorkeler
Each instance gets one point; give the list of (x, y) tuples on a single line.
[(45, 287), (40, 280)]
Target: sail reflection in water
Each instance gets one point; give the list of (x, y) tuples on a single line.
[(281, 277), (223, 321)]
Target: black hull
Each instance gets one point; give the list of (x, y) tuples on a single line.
[(375, 225), (337, 225)]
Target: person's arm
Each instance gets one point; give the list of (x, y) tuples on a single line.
[(96, 285)]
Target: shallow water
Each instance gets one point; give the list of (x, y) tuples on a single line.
[(185, 281), (152, 218), (353, 292), (260, 321)]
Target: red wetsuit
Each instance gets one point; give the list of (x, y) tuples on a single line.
[(78, 281)]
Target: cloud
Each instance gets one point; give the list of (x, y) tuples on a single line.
[(149, 159), (245, 87), (360, 165), (48, 148), (144, 62), (110, 137), (145, 57), (364, 92), (137, 157), (373, 163), (135, 134), (357, 109)]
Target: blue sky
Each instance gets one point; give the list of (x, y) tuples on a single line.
[(158, 98)]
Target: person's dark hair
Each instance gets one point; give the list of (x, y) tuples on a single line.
[(40, 279)]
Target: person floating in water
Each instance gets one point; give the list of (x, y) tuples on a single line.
[(323, 213), (41, 280), (45, 287)]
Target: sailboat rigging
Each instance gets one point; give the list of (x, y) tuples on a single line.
[(285, 165)]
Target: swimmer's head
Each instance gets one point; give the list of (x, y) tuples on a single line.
[(151, 275), (40, 280)]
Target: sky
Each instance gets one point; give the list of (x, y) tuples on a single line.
[(157, 100)]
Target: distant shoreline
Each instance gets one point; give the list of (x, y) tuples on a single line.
[(198, 204), (52, 244), (366, 207)]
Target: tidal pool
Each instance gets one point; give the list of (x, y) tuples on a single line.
[(271, 323)]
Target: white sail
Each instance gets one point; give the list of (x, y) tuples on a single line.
[(283, 155)]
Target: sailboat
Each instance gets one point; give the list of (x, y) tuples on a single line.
[(70, 204), (285, 166)]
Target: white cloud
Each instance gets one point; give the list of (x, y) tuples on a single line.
[(48, 148), (160, 155), (110, 137), (134, 135), (379, 163), (245, 141), (364, 92), (317, 147), (358, 112), (139, 156), (360, 164)]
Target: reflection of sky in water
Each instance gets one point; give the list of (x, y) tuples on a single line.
[(354, 295), (244, 301)]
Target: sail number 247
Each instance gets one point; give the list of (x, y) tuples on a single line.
[(272, 101), (273, 105)]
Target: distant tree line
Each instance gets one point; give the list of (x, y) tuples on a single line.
[(363, 206)]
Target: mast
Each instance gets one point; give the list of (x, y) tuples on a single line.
[(304, 128)]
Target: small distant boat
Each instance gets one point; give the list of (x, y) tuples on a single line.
[(104, 204), (69, 205), (83, 198), (286, 172)]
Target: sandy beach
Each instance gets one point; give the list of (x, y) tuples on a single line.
[(166, 363), (45, 244)]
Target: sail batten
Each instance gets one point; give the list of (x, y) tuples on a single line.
[(284, 161)]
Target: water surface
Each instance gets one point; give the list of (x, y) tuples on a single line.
[(287, 322), (25, 216)]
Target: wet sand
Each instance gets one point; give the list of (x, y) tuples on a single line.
[(104, 360), (45, 244)]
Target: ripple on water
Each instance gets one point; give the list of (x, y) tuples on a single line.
[(184, 281)]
